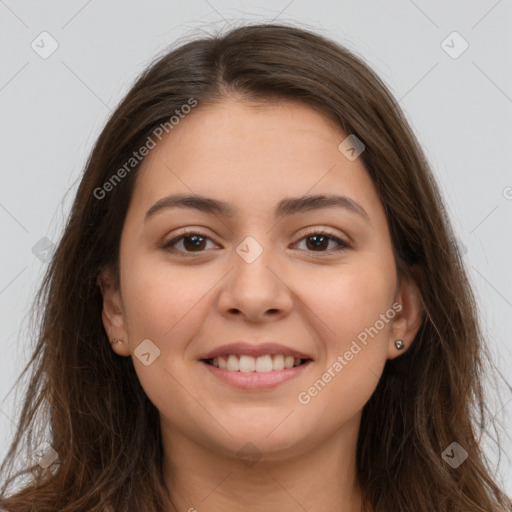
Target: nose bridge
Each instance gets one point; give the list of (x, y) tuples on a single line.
[(253, 260)]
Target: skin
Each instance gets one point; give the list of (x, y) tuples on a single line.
[(252, 156)]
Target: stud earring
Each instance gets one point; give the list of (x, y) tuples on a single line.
[(399, 344), (116, 341)]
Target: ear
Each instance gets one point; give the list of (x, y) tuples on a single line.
[(409, 315), (112, 313)]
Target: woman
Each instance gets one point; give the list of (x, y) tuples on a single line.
[(257, 303)]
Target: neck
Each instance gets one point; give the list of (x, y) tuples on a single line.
[(322, 479)]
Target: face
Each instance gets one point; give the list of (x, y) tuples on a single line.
[(301, 281)]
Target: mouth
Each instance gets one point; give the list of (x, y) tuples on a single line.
[(254, 374), (250, 364)]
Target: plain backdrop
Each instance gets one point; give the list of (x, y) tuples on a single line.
[(455, 88)]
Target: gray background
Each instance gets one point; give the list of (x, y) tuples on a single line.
[(53, 108)]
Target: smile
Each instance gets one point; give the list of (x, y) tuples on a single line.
[(255, 373), (261, 364)]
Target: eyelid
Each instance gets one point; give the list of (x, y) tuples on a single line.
[(187, 232), (342, 243), (314, 230), (184, 233)]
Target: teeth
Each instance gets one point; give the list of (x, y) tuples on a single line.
[(233, 364), (278, 362), (247, 364), (262, 364)]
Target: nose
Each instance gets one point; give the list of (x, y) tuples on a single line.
[(256, 289)]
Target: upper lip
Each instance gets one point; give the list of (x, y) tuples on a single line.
[(240, 348)]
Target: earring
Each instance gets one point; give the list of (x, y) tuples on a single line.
[(116, 341), (399, 344)]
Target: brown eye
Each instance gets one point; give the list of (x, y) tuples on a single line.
[(191, 242), (318, 241), (194, 242)]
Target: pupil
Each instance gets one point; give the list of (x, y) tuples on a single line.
[(318, 240), (197, 241)]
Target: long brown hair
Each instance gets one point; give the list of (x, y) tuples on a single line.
[(102, 425)]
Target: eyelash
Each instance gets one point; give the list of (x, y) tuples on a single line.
[(342, 244)]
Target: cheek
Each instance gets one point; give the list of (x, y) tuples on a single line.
[(355, 351), (159, 300), (166, 305), (357, 306), (352, 297)]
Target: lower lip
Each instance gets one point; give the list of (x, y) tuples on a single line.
[(256, 380)]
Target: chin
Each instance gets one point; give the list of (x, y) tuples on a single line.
[(264, 442)]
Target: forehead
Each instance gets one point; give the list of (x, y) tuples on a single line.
[(251, 154), (232, 128)]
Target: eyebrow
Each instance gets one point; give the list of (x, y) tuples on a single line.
[(287, 206)]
